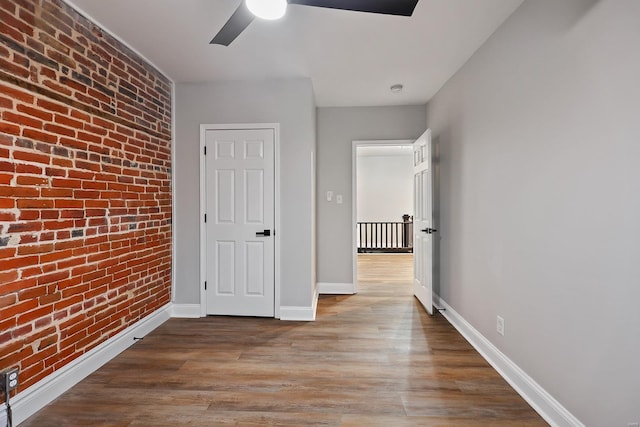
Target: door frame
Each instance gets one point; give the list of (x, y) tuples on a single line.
[(203, 231), (354, 194)]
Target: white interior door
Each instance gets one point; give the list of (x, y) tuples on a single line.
[(239, 222), (423, 221)]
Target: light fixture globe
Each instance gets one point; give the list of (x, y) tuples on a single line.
[(267, 9)]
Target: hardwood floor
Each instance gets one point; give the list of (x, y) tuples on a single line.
[(371, 359)]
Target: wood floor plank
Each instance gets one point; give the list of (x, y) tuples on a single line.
[(371, 359)]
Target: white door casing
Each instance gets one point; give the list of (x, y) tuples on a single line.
[(354, 192), (239, 197), (423, 221)]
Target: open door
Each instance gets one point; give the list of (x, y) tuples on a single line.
[(423, 221)]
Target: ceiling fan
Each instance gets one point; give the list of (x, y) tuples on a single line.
[(274, 9)]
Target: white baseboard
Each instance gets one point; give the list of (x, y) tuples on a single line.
[(186, 311), (303, 314), (336, 288), (543, 403), (30, 401)]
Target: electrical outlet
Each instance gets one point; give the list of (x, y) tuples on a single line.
[(500, 325), (9, 380)]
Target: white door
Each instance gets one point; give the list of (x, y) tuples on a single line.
[(239, 222), (423, 221)]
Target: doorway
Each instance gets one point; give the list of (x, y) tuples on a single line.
[(239, 211), (382, 186)]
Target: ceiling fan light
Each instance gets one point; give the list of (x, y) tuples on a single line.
[(267, 9)]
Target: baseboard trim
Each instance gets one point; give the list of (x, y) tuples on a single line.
[(542, 402), (44, 391), (300, 314), (336, 288), (186, 311)]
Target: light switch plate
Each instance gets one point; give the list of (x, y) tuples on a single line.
[(329, 196)]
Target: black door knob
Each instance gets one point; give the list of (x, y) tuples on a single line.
[(429, 230), (265, 233)]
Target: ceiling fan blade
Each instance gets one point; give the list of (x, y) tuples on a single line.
[(240, 20), (387, 7)]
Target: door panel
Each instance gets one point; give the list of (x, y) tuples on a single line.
[(240, 190), (255, 275), (254, 196), (423, 221), (227, 266), (225, 194)]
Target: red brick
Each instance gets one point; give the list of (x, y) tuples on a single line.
[(73, 143), (51, 106), (16, 94), (65, 163), (31, 157), (58, 88), (35, 203), (5, 178), (56, 192), (31, 180), (35, 112), (35, 249), (7, 216), (32, 293), (19, 192), (55, 172), (57, 225), (28, 215), (9, 128), (66, 183), (70, 203), (86, 194), (13, 22), (54, 277), (24, 227), (66, 121), (16, 309), (26, 168), (80, 115), (21, 120), (60, 130), (7, 252), (50, 298), (39, 136)]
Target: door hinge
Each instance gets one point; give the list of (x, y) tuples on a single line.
[(205, 217), (205, 150), (205, 285)]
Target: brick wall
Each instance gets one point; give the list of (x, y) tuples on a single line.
[(85, 187)]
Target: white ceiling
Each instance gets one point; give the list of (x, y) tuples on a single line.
[(352, 58)]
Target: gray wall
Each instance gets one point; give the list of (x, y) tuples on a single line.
[(290, 103), (538, 138), (337, 128)]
